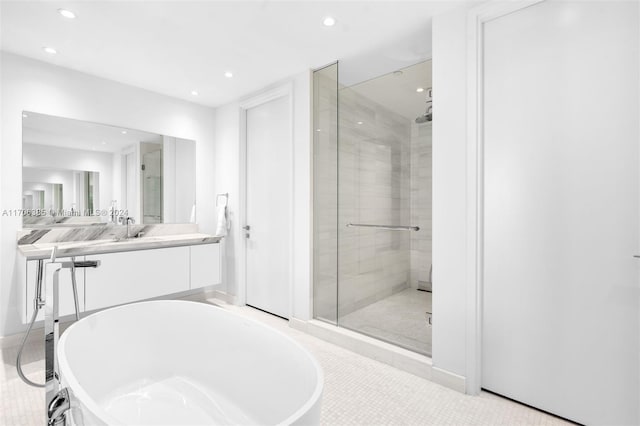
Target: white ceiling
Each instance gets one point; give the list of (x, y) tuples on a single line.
[(41, 129), (174, 47), (397, 91)]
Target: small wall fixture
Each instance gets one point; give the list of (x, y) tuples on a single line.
[(67, 13)]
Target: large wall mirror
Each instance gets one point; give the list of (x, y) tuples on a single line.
[(76, 172)]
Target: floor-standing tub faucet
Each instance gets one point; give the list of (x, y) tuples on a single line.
[(57, 401)]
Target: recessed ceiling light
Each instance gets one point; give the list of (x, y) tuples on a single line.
[(228, 74), (317, 130), (420, 89), (329, 21), (194, 92), (67, 13), (50, 50), (124, 132), (360, 122), (24, 115)]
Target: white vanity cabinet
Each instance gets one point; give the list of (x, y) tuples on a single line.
[(129, 276), (136, 275)]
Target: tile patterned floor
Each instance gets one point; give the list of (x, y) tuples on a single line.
[(399, 319), (358, 390)]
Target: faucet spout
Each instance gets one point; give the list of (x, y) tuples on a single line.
[(130, 221)]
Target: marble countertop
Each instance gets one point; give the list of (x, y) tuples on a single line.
[(38, 245)]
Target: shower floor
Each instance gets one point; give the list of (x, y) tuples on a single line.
[(399, 319)]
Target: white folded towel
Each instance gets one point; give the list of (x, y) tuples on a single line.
[(222, 225)]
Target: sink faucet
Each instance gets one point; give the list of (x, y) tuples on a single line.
[(130, 221)]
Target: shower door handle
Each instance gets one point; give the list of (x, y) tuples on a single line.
[(246, 229), (387, 227)]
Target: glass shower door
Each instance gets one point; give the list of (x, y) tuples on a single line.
[(325, 194), (372, 204)]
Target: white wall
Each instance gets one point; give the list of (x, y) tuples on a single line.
[(449, 192), (31, 85), (228, 180)]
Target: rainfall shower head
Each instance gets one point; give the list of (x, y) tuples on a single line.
[(428, 114)]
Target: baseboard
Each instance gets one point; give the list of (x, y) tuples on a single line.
[(298, 324), (449, 379), (225, 297), (397, 357), (203, 294)]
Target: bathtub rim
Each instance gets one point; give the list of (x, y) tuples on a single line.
[(81, 396)]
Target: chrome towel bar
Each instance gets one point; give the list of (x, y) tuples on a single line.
[(389, 227)]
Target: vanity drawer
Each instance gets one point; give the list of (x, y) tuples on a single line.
[(137, 275)]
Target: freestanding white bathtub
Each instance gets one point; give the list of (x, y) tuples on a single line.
[(186, 363)]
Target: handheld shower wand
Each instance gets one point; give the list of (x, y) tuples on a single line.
[(38, 303)]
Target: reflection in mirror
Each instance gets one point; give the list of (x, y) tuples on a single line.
[(42, 195), (79, 172)]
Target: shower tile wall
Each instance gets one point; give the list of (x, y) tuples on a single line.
[(374, 178)]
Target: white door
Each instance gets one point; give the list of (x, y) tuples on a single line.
[(561, 323), (268, 206)]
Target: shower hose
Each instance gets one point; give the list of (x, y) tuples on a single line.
[(71, 265), (19, 358)]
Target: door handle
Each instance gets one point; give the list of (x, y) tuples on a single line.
[(246, 228)]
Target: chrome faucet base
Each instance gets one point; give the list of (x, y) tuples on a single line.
[(58, 407), (58, 401)]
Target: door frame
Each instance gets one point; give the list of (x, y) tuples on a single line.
[(285, 90), (476, 18)]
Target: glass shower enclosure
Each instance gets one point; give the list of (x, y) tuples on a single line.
[(372, 203)]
